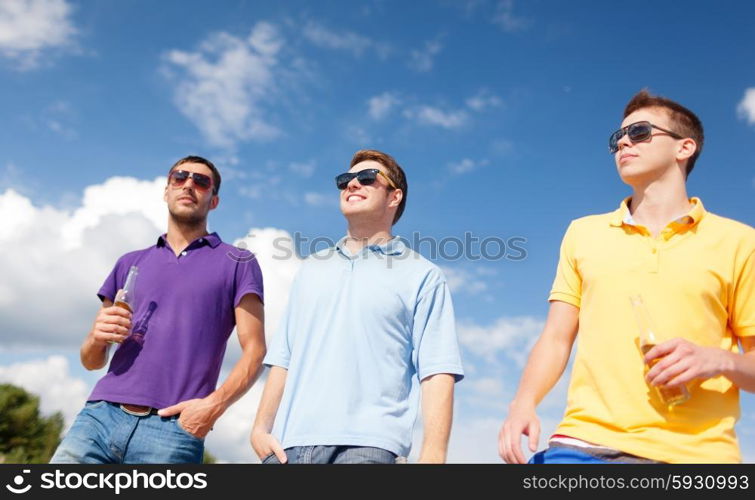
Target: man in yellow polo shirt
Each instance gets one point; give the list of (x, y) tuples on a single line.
[(695, 272)]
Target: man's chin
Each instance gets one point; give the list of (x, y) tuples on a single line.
[(188, 218), (351, 211)]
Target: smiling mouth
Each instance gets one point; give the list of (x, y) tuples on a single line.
[(351, 197)]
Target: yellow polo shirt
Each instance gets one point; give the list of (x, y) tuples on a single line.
[(697, 279)]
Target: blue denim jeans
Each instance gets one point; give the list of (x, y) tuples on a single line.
[(334, 455), (104, 434)]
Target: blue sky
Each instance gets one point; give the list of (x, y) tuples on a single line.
[(499, 111)]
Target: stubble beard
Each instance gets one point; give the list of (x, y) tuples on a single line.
[(190, 221)]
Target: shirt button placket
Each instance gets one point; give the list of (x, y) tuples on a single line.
[(656, 258)]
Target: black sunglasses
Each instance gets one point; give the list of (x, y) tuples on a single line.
[(178, 178), (365, 178), (637, 132)]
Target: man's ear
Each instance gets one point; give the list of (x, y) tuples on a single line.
[(396, 196), (165, 194), (214, 202), (687, 148)]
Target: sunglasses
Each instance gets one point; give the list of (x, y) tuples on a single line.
[(637, 132), (365, 178), (177, 178)]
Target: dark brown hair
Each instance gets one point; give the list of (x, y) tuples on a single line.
[(683, 121), (395, 172), (203, 161)]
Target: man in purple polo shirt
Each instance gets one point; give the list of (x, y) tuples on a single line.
[(159, 399)]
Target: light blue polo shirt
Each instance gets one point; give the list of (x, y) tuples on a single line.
[(359, 333)]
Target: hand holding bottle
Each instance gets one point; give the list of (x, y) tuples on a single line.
[(671, 395)]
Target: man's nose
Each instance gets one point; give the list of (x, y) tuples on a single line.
[(353, 184), (623, 141)]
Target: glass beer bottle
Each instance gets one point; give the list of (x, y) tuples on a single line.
[(125, 296), (671, 396)]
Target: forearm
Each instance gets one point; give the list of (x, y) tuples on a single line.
[(437, 415), (271, 398), (93, 354), (740, 369), (238, 382), (545, 366)]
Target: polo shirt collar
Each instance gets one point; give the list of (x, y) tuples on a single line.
[(211, 239), (622, 216), (394, 246)]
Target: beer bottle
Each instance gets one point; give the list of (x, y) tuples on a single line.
[(125, 296), (671, 396)]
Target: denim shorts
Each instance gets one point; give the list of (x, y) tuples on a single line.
[(104, 434), (334, 455)]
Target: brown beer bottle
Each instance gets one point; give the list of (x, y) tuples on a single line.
[(671, 396), (125, 296)]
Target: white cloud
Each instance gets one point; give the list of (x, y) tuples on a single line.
[(746, 107), (483, 101), (119, 196), (305, 169), (28, 28), (51, 380), (229, 440), (474, 440), (465, 166), (463, 281), (57, 259), (320, 199), (483, 396), (58, 117), (225, 86), (275, 252), (462, 167), (381, 105), (422, 60), (326, 38), (505, 18), (511, 336), (429, 115), (491, 387), (252, 191), (11, 177), (358, 135)]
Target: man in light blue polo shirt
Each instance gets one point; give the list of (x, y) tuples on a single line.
[(368, 330)]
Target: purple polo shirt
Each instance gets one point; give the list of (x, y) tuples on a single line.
[(185, 307)]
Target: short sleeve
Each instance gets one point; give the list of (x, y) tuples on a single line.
[(436, 347), (279, 349), (248, 279), (113, 282), (567, 286), (742, 314)]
